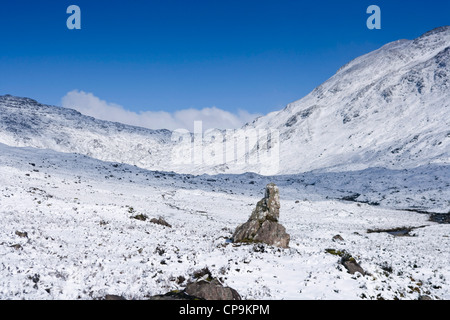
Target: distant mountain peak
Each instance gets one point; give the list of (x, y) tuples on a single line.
[(24, 100), (438, 30)]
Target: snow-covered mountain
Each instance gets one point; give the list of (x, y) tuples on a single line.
[(389, 108), (26, 123)]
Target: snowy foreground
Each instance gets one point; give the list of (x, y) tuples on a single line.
[(67, 231)]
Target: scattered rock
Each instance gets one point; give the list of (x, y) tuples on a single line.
[(113, 297), (398, 232), (141, 217), (180, 279), (203, 274), (351, 197), (424, 297), (159, 250), (35, 278), (161, 221), (211, 290), (386, 267), (22, 234), (263, 226), (174, 295), (443, 218), (204, 287), (338, 237), (351, 265), (347, 261)]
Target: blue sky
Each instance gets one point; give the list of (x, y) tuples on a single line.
[(172, 55)]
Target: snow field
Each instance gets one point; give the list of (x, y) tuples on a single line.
[(82, 242)]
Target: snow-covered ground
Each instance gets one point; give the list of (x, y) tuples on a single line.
[(67, 231), (368, 150)]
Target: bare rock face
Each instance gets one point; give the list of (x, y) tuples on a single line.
[(263, 226)]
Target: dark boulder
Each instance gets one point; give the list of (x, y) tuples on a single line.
[(174, 295), (351, 265), (113, 297), (211, 290)]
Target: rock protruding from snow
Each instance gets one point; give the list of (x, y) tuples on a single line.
[(268, 208), (211, 290), (174, 295), (351, 265), (263, 226), (201, 290), (113, 297)]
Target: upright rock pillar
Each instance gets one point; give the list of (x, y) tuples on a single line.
[(263, 226)]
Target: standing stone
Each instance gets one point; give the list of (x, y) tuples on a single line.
[(263, 226), (268, 208)]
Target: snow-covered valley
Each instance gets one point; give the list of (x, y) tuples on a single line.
[(91, 208), (68, 232)]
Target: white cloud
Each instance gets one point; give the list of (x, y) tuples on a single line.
[(90, 105)]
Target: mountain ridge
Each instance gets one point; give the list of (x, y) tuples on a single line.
[(403, 81), (26, 123)]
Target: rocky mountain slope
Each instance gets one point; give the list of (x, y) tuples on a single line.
[(389, 108)]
